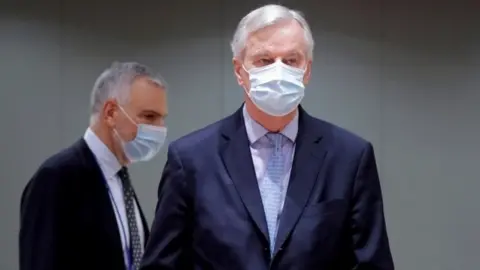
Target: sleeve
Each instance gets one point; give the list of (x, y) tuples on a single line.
[(370, 240), (43, 212), (169, 244)]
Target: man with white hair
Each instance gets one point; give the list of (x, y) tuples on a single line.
[(79, 210), (270, 187)]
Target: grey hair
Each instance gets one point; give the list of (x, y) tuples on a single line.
[(265, 16), (115, 82)]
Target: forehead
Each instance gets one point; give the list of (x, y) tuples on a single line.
[(146, 95), (282, 38)]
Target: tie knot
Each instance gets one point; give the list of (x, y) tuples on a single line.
[(123, 174), (276, 139)]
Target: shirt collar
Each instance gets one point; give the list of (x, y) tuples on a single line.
[(106, 159), (255, 131)]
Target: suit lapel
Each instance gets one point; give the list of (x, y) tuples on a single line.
[(108, 218), (238, 162), (309, 154), (99, 192)]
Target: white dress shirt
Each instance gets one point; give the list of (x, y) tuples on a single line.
[(261, 154), (110, 166)]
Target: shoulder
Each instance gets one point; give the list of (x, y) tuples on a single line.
[(53, 173), (205, 138), (339, 138), (67, 159), (53, 186)]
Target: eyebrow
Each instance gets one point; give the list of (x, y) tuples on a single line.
[(292, 53), (155, 113), (261, 54)]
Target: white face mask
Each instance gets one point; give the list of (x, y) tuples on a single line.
[(276, 89), (147, 142)]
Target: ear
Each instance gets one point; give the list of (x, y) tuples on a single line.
[(308, 72), (110, 112), (239, 71)]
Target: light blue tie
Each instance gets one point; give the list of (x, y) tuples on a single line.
[(271, 188)]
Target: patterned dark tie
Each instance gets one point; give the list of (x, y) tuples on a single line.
[(129, 197)]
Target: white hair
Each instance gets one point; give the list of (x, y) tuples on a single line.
[(115, 82), (266, 16)]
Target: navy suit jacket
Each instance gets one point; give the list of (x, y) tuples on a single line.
[(67, 218), (210, 216)]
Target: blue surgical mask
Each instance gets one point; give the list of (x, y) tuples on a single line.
[(276, 89), (147, 142)]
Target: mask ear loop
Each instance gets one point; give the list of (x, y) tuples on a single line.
[(131, 120), (128, 116), (243, 86)]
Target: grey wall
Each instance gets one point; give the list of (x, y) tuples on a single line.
[(404, 76)]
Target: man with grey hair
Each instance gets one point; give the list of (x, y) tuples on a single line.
[(79, 210), (270, 187)]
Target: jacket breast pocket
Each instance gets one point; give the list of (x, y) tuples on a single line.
[(321, 227), (331, 207)]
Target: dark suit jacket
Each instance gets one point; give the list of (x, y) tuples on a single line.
[(210, 216), (67, 219)]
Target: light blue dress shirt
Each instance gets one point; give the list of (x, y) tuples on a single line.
[(261, 152)]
